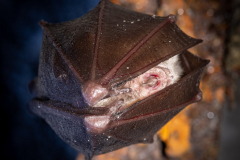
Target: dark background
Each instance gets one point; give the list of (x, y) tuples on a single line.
[(25, 136)]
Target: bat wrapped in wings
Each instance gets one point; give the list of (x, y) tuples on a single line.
[(114, 77)]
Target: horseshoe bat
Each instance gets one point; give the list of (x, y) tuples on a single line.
[(114, 77)]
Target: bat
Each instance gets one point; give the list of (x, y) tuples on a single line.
[(114, 77)]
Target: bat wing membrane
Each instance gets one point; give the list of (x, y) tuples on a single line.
[(160, 107), (108, 34)]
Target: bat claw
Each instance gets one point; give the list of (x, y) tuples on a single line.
[(172, 18)]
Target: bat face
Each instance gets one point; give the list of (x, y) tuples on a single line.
[(114, 77), (119, 98)]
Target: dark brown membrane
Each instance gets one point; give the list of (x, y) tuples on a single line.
[(70, 52)]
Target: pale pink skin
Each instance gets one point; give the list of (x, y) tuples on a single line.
[(94, 92), (150, 82)]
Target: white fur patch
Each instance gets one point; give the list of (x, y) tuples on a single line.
[(173, 64), (146, 84)]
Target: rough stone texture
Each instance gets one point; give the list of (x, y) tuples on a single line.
[(230, 129), (233, 47)]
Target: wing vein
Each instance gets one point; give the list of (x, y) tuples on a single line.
[(97, 40), (106, 78), (164, 58), (58, 47)]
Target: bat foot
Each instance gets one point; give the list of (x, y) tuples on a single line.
[(172, 18), (93, 92)]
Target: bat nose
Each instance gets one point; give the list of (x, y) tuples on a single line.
[(152, 81)]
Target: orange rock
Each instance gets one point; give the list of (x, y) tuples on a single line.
[(176, 134)]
